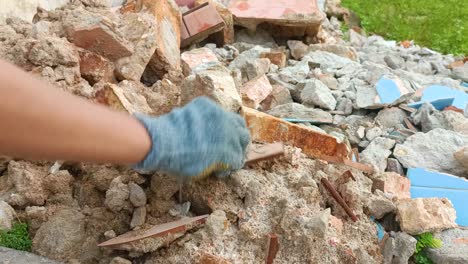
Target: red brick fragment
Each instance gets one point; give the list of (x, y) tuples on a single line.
[(276, 57), (201, 19), (272, 248), (95, 68), (102, 40), (267, 128)]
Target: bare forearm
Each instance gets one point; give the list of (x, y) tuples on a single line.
[(41, 122)]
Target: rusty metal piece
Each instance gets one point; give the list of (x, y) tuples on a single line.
[(178, 226), (272, 247), (258, 153), (453, 108), (339, 199), (268, 129), (410, 125), (348, 174)]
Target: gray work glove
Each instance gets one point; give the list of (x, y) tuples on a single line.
[(195, 141)]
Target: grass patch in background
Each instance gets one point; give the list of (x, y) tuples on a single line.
[(17, 238), (441, 25)]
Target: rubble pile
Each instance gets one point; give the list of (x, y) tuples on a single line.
[(359, 114)]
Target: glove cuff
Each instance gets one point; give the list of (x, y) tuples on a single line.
[(149, 162)]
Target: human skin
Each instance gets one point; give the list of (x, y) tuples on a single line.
[(41, 122)]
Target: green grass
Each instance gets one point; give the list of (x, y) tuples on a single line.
[(17, 238), (426, 240), (441, 25)]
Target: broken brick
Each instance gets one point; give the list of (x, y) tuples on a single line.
[(101, 39), (420, 215), (95, 68), (394, 184), (202, 19), (276, 57), (201, 22), (303, 14), (255, 91), (267, 128), (226, 15)]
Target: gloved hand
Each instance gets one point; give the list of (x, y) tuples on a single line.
[(195, 141)]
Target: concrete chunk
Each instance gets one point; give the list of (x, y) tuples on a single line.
[(422, 215)]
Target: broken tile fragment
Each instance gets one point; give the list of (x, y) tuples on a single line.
[(420, 215), (391, 90), (266, 128), (439, 92)]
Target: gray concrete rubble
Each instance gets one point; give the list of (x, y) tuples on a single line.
[(315, 87)]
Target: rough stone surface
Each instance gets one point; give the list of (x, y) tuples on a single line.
[(117, 195), (377, 152), (462, 157), (8, 255), (317, 94), (24, 185), (140, 30), (343, 51), (454, 247), (137, 195), (422, 215), (216, 83), (391, 118), (166, 57), (53, 51), (196, 57), (7, 215), (393, 185), (398, 248), (139, 217), (295, 110), (279, 95), (255, 91), (393, 165), (461, 73), (298, 49), (120, 260), (379, 206), (432, 151), (59, 237)]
